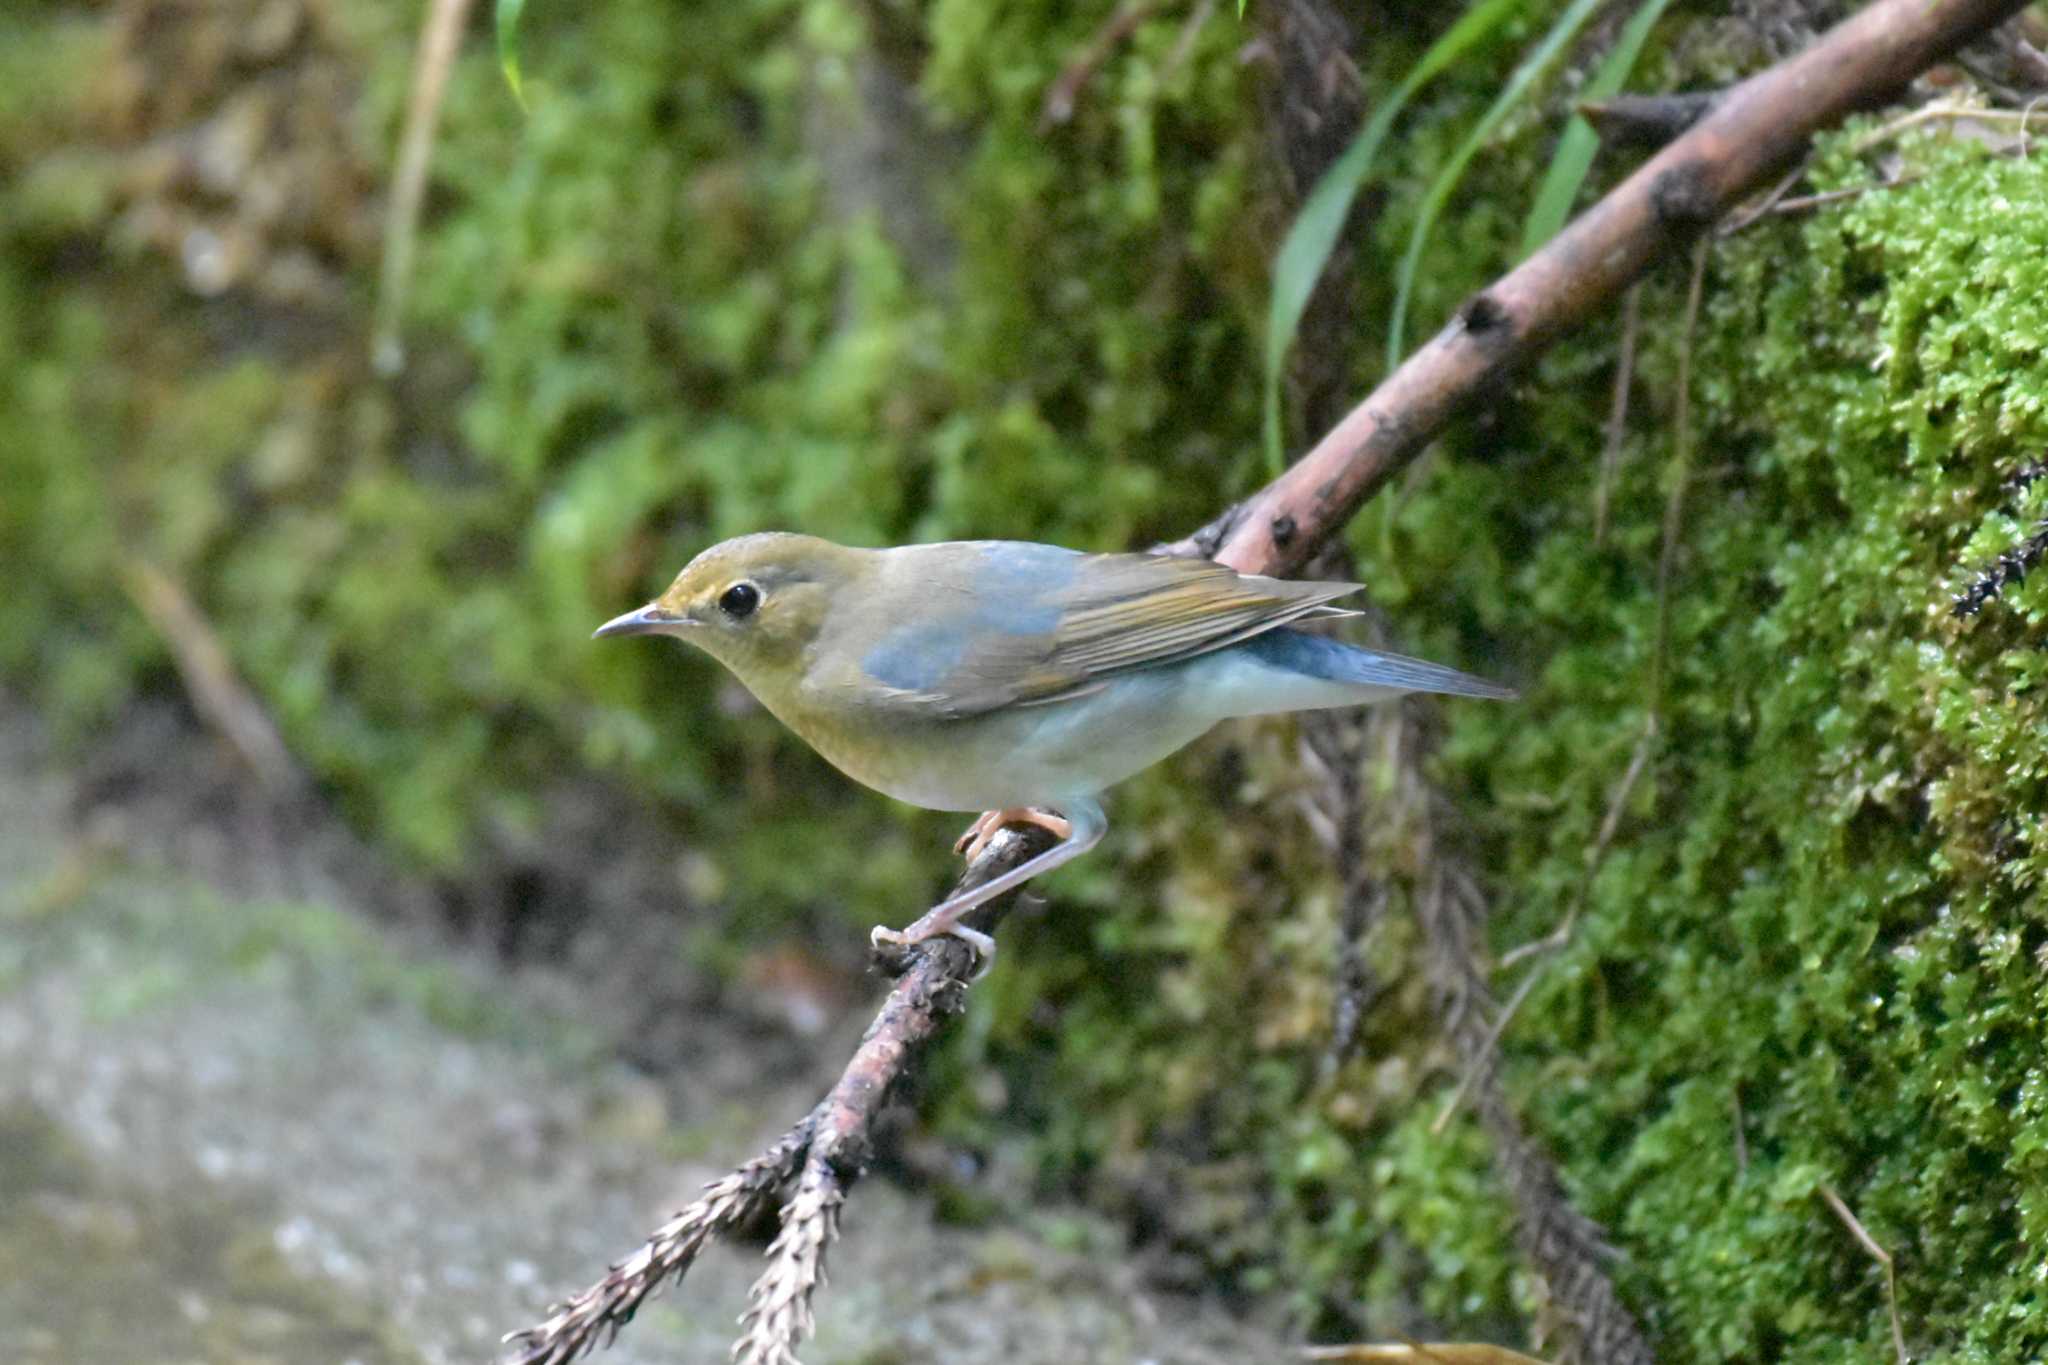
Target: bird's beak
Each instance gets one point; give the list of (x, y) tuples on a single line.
[(646, 621)]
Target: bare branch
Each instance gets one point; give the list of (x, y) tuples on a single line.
[(830, 1147)]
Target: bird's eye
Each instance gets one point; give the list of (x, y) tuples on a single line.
[(739, 601)]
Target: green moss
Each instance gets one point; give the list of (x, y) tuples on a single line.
[(1821, 915)]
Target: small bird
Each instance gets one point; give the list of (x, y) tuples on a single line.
[(1002, 676)]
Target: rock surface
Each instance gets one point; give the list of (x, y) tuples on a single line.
[(236, 1129)]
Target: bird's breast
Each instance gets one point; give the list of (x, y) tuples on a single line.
[(1011, 756)]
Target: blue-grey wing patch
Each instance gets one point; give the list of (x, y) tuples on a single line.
[(1001, 623)]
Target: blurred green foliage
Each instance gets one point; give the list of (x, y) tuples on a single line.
[(807, 264)]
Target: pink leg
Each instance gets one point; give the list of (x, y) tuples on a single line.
[(1085, 824), (979, 834)]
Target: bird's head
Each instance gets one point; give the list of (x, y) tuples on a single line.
[(754, 603)]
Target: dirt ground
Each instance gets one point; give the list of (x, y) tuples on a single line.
[(251, 1110)]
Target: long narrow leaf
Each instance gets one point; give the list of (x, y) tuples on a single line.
[(508, 45), (1573, 159), (1315, 231), (1439, 193)]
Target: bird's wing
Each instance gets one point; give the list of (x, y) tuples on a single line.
[(993, 624)]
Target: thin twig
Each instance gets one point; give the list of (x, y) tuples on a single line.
[(218, 693), (439, 42), (1596, 856), (1737, 221), (1184, 45), (1653, 701), (1776, 205), (1741, 1141), (1942, 113), (595, 1316), (1883, 1258), (1806, 203), (1681, 476), (1074, 77), (1617, 412), (1488, 1054), (1559, 1239)]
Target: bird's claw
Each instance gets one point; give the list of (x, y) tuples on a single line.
[(983, 831), (976, 836), (944, 918)]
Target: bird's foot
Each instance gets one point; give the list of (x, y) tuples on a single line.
[(937, 924), (979, 834), (1078, 832)]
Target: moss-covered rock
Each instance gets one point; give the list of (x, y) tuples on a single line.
[(1813, 958)]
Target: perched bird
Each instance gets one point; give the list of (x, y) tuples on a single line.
[(999, 676)]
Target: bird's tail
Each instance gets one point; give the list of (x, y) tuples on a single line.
[(1335, 662)]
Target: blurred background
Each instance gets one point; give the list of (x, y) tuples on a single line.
[(379, 958)]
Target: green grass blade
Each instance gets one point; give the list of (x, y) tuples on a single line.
[(1315, 231), (1574, 157), (508, 45), (1533, 66)]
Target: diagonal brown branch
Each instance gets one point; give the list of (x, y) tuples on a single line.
[(1754, 130)]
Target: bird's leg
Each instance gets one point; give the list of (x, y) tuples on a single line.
[(975, 836), (1085, 826), (979, 834)]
